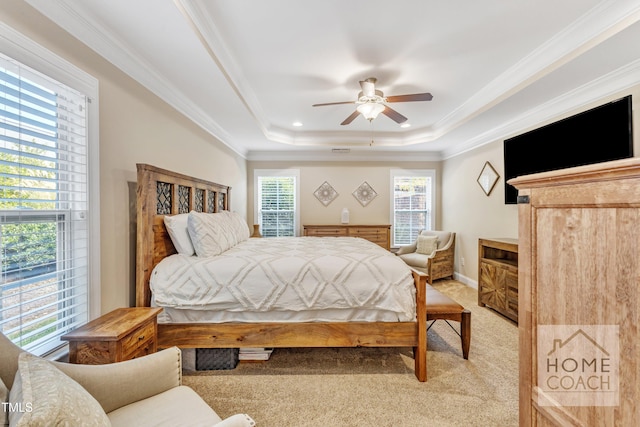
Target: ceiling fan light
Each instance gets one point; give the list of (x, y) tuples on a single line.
[(370, 110)]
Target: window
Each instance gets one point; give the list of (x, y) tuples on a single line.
[(276, 202), (45, 211), (412, 205)]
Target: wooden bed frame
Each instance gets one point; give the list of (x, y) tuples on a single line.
[(161, 192)]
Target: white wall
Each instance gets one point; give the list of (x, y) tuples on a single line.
[(135, 127)]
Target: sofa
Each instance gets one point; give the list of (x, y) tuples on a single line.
[(147, 391), (435, 257)]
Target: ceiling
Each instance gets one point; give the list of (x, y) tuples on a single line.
[(245, 71)]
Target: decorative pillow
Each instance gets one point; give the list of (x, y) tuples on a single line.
[(211, 234), (46, 397), (240, 227), (426, 245), (177, 228), (4, 398)]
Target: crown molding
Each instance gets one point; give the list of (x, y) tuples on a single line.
[(622, 79), (121, 55)]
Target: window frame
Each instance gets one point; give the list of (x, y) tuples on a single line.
[(31, 54), (295, 173), (427, 173)]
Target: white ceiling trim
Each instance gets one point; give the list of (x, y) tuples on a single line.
[(615, 82), (127, 60), (591, 29)]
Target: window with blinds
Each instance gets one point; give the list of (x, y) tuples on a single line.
[(277, 205), (43, 207), (412, 205)]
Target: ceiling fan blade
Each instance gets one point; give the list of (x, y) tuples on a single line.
[(334, 103), (409, 98), (350, 118), (368, 87), (394, 115)]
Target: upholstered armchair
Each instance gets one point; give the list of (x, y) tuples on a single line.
[(146, 391), (433, 253)]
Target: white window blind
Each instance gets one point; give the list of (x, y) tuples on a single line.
[(277, 205), (43, 207), (412, 206)]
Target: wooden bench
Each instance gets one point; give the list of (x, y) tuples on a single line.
[(441, 307)]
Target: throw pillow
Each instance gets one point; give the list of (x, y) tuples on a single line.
[(177, 228), (426, 245), (4, 398), (46, 396), (211, 233)]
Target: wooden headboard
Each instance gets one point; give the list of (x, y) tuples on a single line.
[(161, 192)]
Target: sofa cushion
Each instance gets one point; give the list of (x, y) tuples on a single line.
[(177, 406), (426, 245), (46, 396)]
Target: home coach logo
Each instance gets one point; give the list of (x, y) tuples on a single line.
[(578, 365)]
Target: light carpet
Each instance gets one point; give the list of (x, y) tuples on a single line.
[(377, 386)]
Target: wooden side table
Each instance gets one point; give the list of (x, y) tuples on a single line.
[(123, 334)]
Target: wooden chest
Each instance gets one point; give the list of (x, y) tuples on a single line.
[(123, 334)]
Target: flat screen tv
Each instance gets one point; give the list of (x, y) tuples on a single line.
[(598, 135)]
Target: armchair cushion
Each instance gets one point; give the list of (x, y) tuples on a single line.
[(426, 245), (179, 406), (47, 396)]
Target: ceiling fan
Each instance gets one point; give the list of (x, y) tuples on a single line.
[(371, 102)]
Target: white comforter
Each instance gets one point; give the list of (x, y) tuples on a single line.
[(288, 274)]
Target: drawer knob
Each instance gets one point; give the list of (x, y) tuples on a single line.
[(141, 337)]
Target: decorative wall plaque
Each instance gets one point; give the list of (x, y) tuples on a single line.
[(326, 193), (365, 193)]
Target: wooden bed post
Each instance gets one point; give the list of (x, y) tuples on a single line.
[(420, 352)]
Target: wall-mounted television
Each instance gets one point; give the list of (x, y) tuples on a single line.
[(598, 135)]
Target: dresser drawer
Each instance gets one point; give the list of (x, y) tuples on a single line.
[(328, 231), (137, 340)]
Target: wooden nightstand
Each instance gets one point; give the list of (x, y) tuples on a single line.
[(123, 334)]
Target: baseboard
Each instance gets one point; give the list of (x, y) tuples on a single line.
[(466, 280)]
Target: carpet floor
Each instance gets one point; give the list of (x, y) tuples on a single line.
[(377, 386)]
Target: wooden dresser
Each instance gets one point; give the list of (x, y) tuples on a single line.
[(378, 234), (122, 334), (579, 267), (498, 275)]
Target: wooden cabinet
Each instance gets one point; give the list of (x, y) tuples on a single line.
[(378, 234), (498, 275), (123, 334), (579, 234)]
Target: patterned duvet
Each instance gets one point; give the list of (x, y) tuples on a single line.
[(288, 275)]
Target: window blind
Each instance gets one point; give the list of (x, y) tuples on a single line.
[(276, 205), (43, 207), (411, 207)]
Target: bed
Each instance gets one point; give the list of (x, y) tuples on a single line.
[(163, 193)]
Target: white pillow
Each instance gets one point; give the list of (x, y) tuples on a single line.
[(240, 228), (49, 397), (426, 245), (211, 233), (177, 228)]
